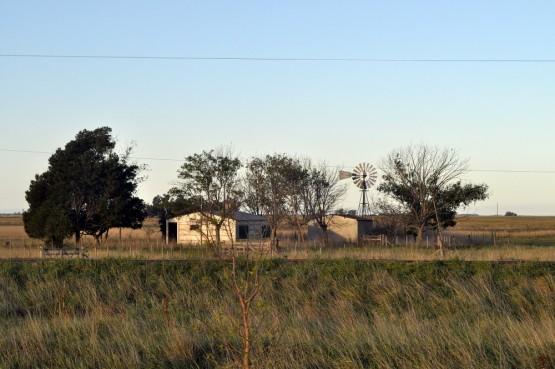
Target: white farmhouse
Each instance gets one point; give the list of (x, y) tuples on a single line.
[(196, 228)]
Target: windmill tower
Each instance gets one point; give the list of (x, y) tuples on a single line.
[(364, 176)]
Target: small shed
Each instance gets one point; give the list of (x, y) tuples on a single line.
[(196, 228), (342, 228)]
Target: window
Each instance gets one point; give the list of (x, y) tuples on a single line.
[(242, 232), (266, 231), (194, 227)]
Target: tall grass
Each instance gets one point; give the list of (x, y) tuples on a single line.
[(341, 313)]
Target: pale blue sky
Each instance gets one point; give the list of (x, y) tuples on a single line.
[(499, 115)]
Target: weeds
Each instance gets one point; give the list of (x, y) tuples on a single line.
[(343, 313)]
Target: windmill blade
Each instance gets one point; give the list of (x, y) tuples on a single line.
[(344, 175), (372, 176), (364, 175)]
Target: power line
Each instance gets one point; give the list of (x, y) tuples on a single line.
[(265, 59), (27, 151), (182, 160), (513, 171), (132, 157)]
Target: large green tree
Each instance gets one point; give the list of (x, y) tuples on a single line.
[(426, 181), (86, 190)]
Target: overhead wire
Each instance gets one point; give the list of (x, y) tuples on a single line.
[(279, 59), (335, 166)]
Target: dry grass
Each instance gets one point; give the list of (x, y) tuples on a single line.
[(11, 220), (488, 223), (319, 314), (516, 238)]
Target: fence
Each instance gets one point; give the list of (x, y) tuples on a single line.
[(156, 248)]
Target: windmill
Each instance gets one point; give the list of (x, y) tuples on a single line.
[(364, 176)]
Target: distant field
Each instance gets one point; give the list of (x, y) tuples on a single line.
[(11, 220), (485, 223), (11, 226), (10, 223), (474, 238)]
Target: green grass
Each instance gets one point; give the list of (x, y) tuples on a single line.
[(341, 313)]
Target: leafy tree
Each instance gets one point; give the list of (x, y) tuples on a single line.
[(212, 178), (171, 204), (510, 214), (298, 211), (269, 183), (87, 189), (426, 181)]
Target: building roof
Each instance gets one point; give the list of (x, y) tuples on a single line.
[(236, 215), (356, 217), (241, 215)]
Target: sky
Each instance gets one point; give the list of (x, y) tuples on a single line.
[(498, 113)]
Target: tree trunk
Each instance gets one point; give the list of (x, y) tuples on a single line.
[(300, 235), (325, 235), (439, 243), (218, 229), (246, 335), (274, 237), (420, 235)]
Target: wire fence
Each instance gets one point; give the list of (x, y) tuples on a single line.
[(156, 247)]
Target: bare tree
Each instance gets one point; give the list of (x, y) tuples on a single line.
[(426, 181), (390, 218), (322, 194)]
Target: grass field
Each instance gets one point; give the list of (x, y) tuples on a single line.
[(475, 238), (342, 313), (484, 223), (138, 303)]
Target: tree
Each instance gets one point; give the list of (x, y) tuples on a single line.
[(212, 178), (323, 193), (171, 204), (87, 189), (426, 182), (297, 210), (268, 184), (391, 217)]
